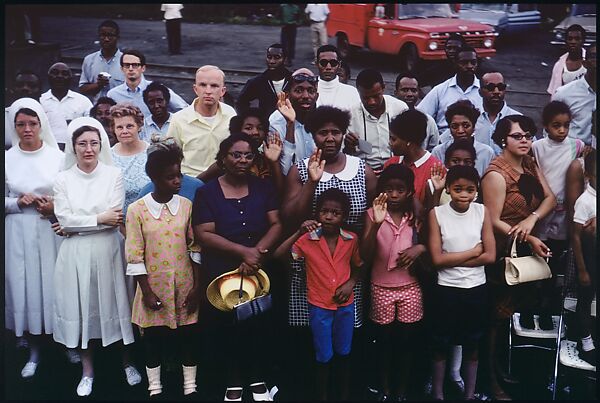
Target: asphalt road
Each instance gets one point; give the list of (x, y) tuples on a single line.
[(526, 64)]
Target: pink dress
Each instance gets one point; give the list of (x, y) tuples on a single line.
[(162, 245)]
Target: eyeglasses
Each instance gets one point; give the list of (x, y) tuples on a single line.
[(300, 78), (238, 155), (332, 62), (84, 144), (491, 86), (134, 65), (520, 136)]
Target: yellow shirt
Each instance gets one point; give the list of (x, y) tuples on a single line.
[(198, 137)]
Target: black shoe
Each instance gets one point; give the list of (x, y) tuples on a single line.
[(382, 397), (526, 321), (545, 322)]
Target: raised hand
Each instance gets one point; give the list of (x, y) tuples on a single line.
[(438, 176), (285, 107), (309, 226), (350, 143), (316, 167), (380, 208), (273, 146)]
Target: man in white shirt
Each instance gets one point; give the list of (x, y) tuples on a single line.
[(288, 119), (574, 38), (580, 96), (492, 91), (407, 90), (317, 14), (106, 60), (369, 131), (331, 91), (464, 85), (173, 19), (200, 127), (61, 104), (156, 97)]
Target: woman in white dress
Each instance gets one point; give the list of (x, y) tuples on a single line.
[(31, 246), (91, 300), (129, 153)]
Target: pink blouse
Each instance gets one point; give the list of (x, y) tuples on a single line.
[(391, 240)]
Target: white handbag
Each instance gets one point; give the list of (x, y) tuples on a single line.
[(518, 270)]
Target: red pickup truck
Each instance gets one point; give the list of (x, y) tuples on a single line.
[(414, 32)]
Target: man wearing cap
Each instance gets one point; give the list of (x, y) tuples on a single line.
[(61, 104), (200, 127), (331, 91), (133, 64), (299, 99)]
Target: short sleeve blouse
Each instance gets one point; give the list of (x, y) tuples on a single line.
[(243, 221)]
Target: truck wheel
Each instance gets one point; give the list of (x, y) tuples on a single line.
[(409, 58), (343, 46)]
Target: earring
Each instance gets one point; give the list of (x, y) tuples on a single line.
[(407, 144), (503, 144)]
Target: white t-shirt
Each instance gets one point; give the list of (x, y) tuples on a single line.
[(568, 76), (460, 232), (278, 85), (585, 206), (172, 11)]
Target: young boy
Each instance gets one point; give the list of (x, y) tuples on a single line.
[(584, 248), (332, 266)]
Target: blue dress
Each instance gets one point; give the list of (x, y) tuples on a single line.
[(243, 221)]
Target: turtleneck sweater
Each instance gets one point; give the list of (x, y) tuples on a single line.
[(337, 94)]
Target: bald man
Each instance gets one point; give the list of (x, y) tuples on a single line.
[(200, 127), (61, 104), (295, 103)]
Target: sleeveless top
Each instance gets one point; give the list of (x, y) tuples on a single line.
[(351, 180)]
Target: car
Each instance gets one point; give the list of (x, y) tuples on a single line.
[(582, 14), (506, 18)]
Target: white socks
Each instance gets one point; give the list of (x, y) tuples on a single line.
[(587, 344), (154, 385), (455, 363), (189, 379)]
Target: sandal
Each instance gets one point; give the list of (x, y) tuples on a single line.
[(236, 388)]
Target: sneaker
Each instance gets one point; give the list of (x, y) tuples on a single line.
[(73, 356), (545, 322), (85, 386), (588, 356), (459, 385), (526, 321), (29, 369), (132, 374)]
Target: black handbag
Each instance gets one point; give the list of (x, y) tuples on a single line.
[(254, 307)]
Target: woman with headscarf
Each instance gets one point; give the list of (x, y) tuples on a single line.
[(30, 168), (91, 301)]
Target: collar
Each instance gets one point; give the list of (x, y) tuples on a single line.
[(316, 235), (346, 174), (155, 208), (150, 120), (418, 162), (452, 82), (194, 115), (117, 54), (329, 84), (140, 87), (49, 95)]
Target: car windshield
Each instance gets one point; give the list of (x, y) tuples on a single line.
[(483, 7), (423, 11), (583, 9)]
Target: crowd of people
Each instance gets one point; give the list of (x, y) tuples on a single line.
[(365, 216)]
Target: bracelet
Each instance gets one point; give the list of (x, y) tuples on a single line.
[(533, 213)]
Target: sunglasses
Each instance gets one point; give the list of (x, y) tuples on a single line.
[(238, 155), (491, 86), (332, 62), (300, 78), (520, 136)]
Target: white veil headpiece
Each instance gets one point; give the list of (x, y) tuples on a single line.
[(104, 155), (46, 134)]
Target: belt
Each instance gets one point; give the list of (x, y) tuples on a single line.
[(85, 233), (316, 22)]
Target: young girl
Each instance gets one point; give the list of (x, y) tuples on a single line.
[(389, 242), (554, 154), (333, 264), (584, 248), (159, 239), (461, 242)]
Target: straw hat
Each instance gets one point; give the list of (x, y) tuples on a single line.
[(223, 291)]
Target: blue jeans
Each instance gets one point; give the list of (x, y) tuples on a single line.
[(331, 330)]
